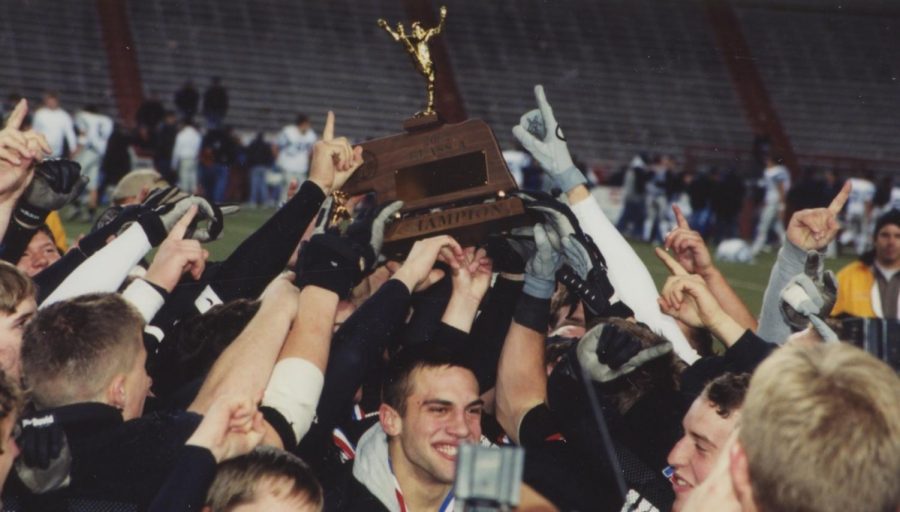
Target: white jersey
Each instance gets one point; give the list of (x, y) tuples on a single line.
[(894, 203), (294, 149), (56, 125), (93, 130), (187, 145), (517, 161), (862, 191), (771, 178)]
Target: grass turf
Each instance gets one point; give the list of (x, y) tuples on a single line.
[(748, 280)]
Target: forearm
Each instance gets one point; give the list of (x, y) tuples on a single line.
[(246, 365), (630, 277), (265, 253), (5, 218), (727, 329), (521, 375), (790, 262), (310, 337), (107, 269), (728, 299), (491, 327), (358, 346), (187, 484), (461, 311), (15, 240)]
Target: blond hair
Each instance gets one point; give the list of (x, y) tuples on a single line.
[(242, 480), (821, 430), (15, 287)]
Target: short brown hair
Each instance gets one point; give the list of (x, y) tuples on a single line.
[(71, 349), (240, 480), (397, 385), (821, 430), (726, 392), (15, 287)]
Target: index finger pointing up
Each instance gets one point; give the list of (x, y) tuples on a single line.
[(679, 217), (180, 227), (674, 267), (839, 200), (328, 132), (17, 115)]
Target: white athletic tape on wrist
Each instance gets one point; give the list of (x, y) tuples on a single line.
[(144, 298), (293, 391)]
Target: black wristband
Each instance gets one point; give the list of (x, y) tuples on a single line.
[(159, 289), (153, 228), (331, 262), (281, 426), (533, 313), (30, 216)]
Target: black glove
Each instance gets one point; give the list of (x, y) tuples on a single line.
[(332, 262), (170, 205), (56, 183), (367, 231), (552, 213), (511, 253), (585, 275), (608, 352)]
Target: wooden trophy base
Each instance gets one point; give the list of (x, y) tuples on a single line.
[(470, 225), (422, 122)]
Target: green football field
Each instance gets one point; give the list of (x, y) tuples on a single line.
[(748, 280)]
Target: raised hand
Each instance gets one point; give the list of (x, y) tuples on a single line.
[(813, 229), (231, 427), (540, 271), (418, 272), (56, 183), (19, 151), (333, 159), (541, 135), (688, 246), (687, 298), (472, 277), (177, 256)]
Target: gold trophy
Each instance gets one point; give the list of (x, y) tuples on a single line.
[(451, 177), (416, 45)]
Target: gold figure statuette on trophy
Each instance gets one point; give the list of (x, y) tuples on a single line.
[(416, 45)]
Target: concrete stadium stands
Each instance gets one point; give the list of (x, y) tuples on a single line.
[(54, 45)]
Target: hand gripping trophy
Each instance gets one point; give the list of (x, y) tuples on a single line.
[(416, 45)]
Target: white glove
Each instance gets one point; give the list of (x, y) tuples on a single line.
[(542, 136)]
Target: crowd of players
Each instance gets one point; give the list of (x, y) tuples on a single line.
[(307, 372)]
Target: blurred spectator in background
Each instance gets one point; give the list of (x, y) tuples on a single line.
[(57, 126), (218, 152), (293, 147), (858, 213), (165, 145), (776, 181), (148, 118), (187, 100), (656, 198), (185, 155), (517, 160), (634, 210), (260, 161), (94, 130), (726, 203), (700, 192), (117, 160), (215, 104)]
